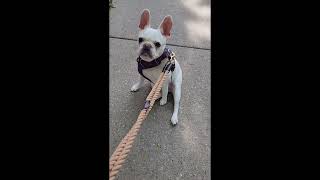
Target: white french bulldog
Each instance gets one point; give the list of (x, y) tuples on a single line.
[(152, 46)]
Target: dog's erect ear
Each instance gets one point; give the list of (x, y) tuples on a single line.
[(166, 26), (145, 19)]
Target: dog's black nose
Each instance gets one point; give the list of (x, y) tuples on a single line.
[(147, 46)]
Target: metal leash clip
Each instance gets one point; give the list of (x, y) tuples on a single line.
[(172, 56), (170, 63)]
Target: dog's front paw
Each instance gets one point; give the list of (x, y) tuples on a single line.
[(174, 119), (163, 101), (135, 87)]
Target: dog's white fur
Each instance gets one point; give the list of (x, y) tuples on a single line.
[(174, 79)]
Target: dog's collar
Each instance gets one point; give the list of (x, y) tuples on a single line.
[(146, 65)]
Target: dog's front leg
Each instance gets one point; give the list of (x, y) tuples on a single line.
[(176, 97), (138, 85), (164, 92)]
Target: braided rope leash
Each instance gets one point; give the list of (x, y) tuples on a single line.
[(118, 157)]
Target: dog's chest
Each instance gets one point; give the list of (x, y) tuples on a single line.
[(154, 73)]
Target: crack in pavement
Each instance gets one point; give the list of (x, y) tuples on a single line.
[(130, 39)]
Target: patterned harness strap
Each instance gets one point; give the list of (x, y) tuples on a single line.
[(167, 53)]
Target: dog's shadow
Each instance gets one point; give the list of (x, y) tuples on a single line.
[(137, 100)]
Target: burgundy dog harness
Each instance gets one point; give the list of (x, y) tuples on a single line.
[(146, 65)]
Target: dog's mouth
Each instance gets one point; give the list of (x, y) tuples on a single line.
[(146, 54)]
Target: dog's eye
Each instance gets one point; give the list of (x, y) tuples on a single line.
[(157, 44), (140, 40)]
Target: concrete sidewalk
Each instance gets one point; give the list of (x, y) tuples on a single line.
[(162, 151)]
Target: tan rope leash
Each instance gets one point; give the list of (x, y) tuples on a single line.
[(118, 157)]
